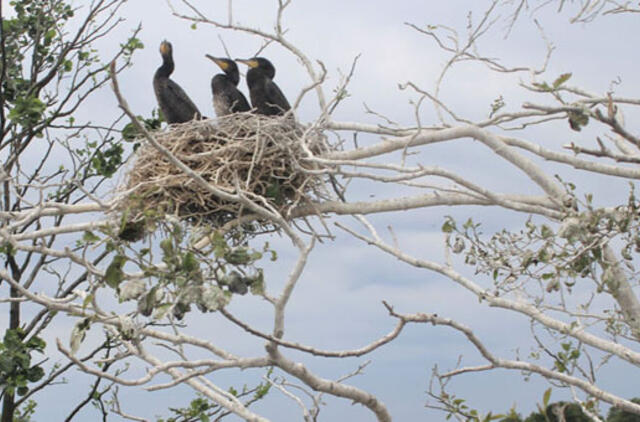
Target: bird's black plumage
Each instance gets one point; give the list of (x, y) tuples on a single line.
[(227, 98), (175, 104), (266, 97)]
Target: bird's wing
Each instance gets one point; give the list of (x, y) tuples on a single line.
[(239, 101), (275, 97), (182, 98)]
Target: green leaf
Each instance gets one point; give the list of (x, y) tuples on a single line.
[(35, 374), (448, 226), (543, 86), (107, 162), (189, 262), (130, 132), (67, 65), (87, 300), (262, 391), (561, 79), (167, 247), (147, 302), (257, 284), (577, 120), (274, 192), (27, 112), (78, 334), (238, 256), (545, 398), (89, 238), (36, 343), (49, 36), (114, 274)]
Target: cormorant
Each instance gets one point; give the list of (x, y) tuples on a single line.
[(265, 95), (227, 98), (176, 106)]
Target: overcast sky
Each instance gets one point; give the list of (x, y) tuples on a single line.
[(337, 303)]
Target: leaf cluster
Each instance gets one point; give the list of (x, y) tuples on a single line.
[(38, 25), (201, 409), (187, 276), (554, 257), (16, 370)]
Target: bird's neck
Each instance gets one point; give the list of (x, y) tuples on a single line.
[(254, 75), (234, 77), (167, 66)]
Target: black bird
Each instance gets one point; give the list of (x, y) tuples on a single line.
[(265, 95), (176, 106), (227, 98)]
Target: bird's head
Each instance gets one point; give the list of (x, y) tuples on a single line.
[(226, 65), (165, 48), (260, 63)]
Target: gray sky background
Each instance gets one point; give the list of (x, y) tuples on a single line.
[(337, 304)]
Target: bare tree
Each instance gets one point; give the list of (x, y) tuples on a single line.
[(568, 243)]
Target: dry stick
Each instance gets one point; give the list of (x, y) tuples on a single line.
[(317, 352)]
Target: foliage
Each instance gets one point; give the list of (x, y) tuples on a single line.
[(202, 410), (571, 413), (49, 67), (186, 277), (554, 259), (16, 369), (618, 415), (26, 412), (36, 24)]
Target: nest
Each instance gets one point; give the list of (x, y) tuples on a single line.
[(259, 156)]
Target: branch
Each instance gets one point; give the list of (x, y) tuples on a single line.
[(519, 306), (312, 350), (331, 387)]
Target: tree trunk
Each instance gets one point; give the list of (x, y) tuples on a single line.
[(8, 406)]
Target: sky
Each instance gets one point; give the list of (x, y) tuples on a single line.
[(337, 304)]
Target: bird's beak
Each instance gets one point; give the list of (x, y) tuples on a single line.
[(221, 64), (249, 62)]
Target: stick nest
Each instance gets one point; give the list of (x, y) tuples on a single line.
[(258, 156)]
